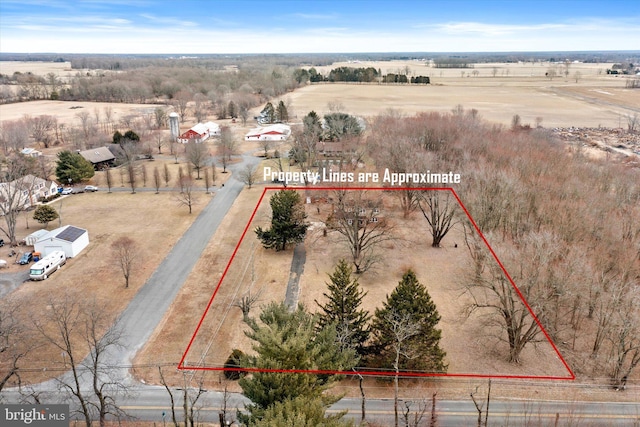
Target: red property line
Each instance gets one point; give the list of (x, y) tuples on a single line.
[(571, 376)]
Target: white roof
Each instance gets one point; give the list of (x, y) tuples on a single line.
[(200, 129), (278, 128), (212, 126)]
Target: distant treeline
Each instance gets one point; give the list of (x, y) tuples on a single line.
[(451, 62), (352, 74), (218, 61)]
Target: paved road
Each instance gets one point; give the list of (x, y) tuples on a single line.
[(10, 281), (148, 307), (450, 413)]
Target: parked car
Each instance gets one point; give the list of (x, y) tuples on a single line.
[(90, 188), (67, 190), (26, 258), (1, 243), (78, 190)]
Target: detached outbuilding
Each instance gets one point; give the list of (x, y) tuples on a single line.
[(101, 158), (277, 132), (69, 239)]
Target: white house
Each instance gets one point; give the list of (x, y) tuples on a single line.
[(25, 192), (276, 132), (69, 239)]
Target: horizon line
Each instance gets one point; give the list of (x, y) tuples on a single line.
[(637, 51)]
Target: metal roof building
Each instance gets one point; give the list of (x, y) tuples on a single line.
[(69, 239)]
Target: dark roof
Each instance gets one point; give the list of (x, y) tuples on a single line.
[(70, 234), (98, 155)]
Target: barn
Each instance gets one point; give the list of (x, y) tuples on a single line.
[(101, 158), (69, 239), (198, 133), (277, 132)]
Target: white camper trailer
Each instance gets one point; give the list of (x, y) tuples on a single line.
[(47, 265)]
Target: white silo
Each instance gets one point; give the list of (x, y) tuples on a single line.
[(174, 126)]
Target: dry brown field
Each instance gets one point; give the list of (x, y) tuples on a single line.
[(93, 273), (597, 99), (470, 349), (60, 69), (67, 111)]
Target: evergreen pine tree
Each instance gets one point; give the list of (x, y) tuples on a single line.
[(411, 300), (289, 341), (44, 214), (287, 221), (343, 309), (302, 412), (282, 114)]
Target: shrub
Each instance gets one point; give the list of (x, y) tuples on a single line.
[(234, 362)]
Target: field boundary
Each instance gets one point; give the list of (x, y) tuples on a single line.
[(372, 372)]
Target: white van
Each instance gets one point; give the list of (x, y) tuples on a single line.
[(47, 265)]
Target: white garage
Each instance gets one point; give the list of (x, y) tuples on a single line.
[(69, 239)]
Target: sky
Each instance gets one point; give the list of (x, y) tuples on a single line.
[(190, 27)]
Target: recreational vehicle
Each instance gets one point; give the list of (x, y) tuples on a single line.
[(47, 265)]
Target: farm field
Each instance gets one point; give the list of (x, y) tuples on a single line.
[(596, 100), (66, 111)]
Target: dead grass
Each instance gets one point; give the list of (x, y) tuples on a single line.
[(153, 221), (519, 89), (470, 349)]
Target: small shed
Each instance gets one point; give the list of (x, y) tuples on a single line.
[(69, 239), (32, 238)]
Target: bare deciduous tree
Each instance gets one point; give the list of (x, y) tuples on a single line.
[(248, 175), (157, 180), (190, 398), (360, 225), (207, 180), (91, 381), (247, 302), (16, 193), (108, 179), (402, 328), (166, 175), (125, 253), (41, 127), (439, 209), (226, 147), (197, 156), (187, 196), (131, 175), (15, 342)]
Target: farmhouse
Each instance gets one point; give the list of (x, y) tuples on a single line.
[(69, 239), (25, 192), (277, 132), (337, 149), (101, 158), (200, 133)]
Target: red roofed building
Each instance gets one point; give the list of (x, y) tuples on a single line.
[(277, 132)]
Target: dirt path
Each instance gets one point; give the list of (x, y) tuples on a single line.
[(591, 99), (297, 268)]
